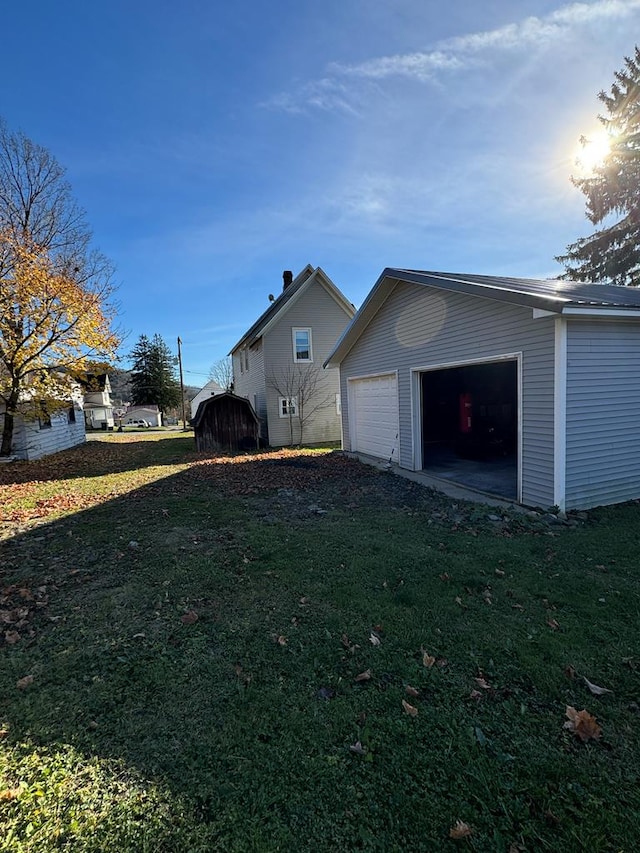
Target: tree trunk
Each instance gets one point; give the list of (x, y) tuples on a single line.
[(9, 418)]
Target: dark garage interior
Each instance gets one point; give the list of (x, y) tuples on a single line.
[(470, 426)]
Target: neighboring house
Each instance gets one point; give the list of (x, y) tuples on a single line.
[(460, 374), (204, 393), (226, 422), (47, 434), (98, 409), (151, 414), (277, 363)]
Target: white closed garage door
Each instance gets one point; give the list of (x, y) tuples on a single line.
[(373, 416)]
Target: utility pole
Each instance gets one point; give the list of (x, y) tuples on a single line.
[(184, 417)]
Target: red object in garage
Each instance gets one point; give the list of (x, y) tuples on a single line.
[(465, 413)]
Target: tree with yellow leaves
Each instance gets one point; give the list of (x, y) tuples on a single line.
[(56, 296)]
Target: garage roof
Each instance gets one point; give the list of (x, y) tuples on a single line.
[(552, 295)]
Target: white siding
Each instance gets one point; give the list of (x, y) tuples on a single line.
[(603, 412), (251, 383), (315, 309), (422, 326), (32, 442)]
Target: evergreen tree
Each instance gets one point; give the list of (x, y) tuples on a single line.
[(613, 191), (153, 374)]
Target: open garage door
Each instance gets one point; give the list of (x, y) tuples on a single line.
[(373, 416), (470, 425)]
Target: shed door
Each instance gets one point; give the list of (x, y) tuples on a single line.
[(373, 416)]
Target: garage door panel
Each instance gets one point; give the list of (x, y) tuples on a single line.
[(374, 416)]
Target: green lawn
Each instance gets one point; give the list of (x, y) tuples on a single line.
[(217, 653)]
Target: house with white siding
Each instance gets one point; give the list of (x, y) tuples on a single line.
[(522, 388), (98, 408), (209, 390), (50, 432), (278, 362)]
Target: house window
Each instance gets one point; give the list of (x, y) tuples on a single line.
[(71, 415), (302, 345), (44, 419), (246, 360), (288, 406)]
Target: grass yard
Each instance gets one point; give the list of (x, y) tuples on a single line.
[(295, 652)]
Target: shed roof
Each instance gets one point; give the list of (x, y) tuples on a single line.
[(216, 400), (552, 295), (303, 280)]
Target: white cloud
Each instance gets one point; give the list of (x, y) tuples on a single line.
[(452, 55)]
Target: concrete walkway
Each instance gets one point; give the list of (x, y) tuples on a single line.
[(451, 490)]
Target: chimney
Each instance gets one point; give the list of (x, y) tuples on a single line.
[(287, 277)]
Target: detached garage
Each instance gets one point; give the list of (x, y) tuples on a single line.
[(525, 389)]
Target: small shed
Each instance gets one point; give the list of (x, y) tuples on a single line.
[(226, 422)]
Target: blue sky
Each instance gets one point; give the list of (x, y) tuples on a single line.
[(214, 145)]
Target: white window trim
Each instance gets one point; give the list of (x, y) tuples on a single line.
[(292, 402), (306, 329)]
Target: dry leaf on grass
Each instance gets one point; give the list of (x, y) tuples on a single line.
[(409, 709), (593, 688), (427, 659), (364, 676), (569, 671), (411, 691), (582, 724), (374, 640), (23, 683), (281, 640), (499, 573), (9, 793), (482, 683), (12, 637), (358, 748), (189, 618), (553, 624), (460, 830)]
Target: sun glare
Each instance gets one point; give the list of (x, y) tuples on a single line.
[(592, 151)]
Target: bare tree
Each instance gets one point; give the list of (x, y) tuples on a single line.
[(304, 388), (222, 373)]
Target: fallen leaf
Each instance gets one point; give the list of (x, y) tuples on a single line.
[(482, 683), (499, 573), (597, 691), (569, 671), (189, 618), (3, 733), (582, 724), (475, 694), (517, 607), (345, 641), (444, 576), (12, 637), (374, 640), (282, 640), (304, 601), (364, 676), (411, 691), (427, 659), (9, 793), (553, 624), (486, 595), (409, 709), (358, 748), (23, 683), (460, 830)]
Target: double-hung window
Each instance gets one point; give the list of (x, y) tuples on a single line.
[(302, 350), (288, 407)]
